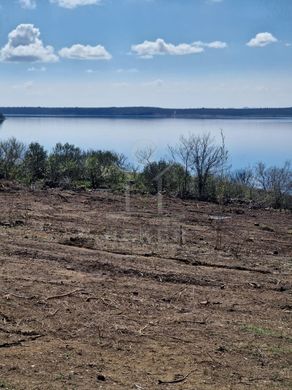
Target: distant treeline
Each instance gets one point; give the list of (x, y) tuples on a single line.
[(148, 112), (1, 118)]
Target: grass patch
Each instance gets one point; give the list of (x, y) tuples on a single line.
[(280, 351), (5, 386), (267, 228), (258, 331)]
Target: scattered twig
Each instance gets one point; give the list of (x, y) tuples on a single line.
[(64, 295), (64, 198), (53, 313), (8, 295), (182, 340), (19, 342), (111, 303), (20, 332), (143, 328), (177, 293), (160, 382), (214, 360)]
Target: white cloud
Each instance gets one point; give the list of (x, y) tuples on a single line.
[(130, 70), (262, 39), (34, 69), (216, 45), (25, 86), (211, 45), (148, 49), (154, 83), (24, 45), (82, 52), (74, 3), (28, 4)]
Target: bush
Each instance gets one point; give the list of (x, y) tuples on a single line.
[(11, 158), (65, 165), (35, 163), (163, 176), (103, 168)]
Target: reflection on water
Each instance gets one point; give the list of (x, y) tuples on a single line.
[(247, 140)]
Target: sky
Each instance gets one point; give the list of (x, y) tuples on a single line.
[(167, 53)]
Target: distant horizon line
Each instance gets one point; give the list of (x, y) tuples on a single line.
[(149, 107)]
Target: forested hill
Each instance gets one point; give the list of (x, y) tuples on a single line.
[(148, 112)]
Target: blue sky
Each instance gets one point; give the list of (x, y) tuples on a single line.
[(169, 53)]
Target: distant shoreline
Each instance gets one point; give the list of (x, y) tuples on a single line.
[(149, 117), (147, 112)]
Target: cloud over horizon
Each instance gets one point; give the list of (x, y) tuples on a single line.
[(186, 42)]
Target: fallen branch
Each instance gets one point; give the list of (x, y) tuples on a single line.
[(64, 295), (8, 295), (20, 332), (160, 382), (19, 342)]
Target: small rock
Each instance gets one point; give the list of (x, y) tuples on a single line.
[(221, 348), (100, 377)]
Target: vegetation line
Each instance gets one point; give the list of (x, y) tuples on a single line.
[(196, 167)]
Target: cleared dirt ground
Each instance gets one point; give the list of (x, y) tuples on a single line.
[(101, 293)]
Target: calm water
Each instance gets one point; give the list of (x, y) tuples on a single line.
[(247, 140)]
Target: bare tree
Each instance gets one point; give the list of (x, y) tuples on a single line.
[(243, 181), (243, 177), (208, 159), (183, 152), (144, 156), (277, 182), (200, 155)]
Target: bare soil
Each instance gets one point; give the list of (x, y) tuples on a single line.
[(96, 295)]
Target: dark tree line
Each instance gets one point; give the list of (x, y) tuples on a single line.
[(197, 167), (149, 112), (67, 166)]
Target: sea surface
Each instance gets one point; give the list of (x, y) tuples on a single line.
[(248, 140)]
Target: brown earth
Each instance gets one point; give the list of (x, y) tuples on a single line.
[(94, 295)]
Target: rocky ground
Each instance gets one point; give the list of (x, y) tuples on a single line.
[(102, 292)]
